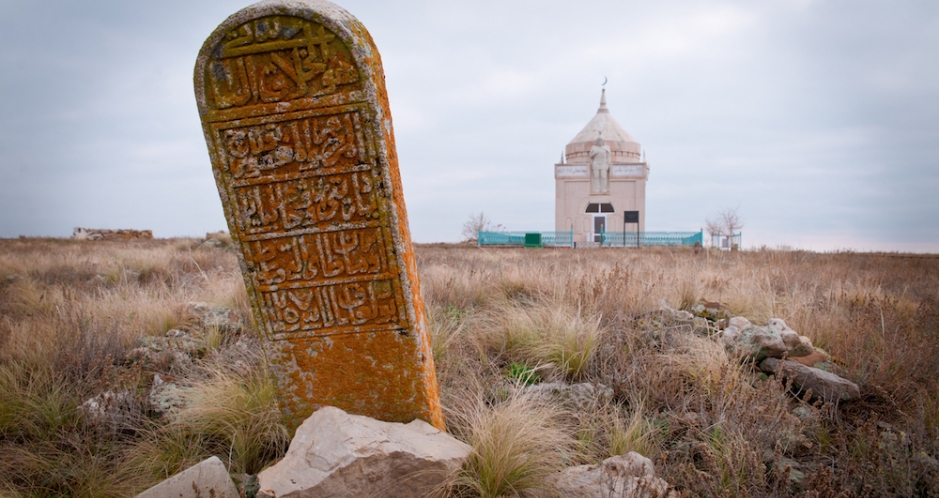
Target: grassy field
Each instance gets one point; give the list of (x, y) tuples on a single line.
[(83, 344)]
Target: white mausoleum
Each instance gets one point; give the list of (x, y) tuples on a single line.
[(602, 174)]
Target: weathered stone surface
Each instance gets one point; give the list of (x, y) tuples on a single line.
[(804, 348), (296, 118), (335, 454), (109, 409), (739, 322), (789, 337), (106, 234), (826, 385), (208, 478), (773, 340), (165, 395), (623, 476), (754, 343)]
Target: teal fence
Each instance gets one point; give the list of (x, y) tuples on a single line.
[(609, 239), (614, 239), (553, 239)]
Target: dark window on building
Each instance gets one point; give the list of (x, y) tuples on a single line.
[(605, 207)]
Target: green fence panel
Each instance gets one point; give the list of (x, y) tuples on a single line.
[(533, 239)]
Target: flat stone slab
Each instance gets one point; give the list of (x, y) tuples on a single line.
[(204, 479), (296, 118)]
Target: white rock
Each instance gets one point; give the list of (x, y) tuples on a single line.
[(731, 333), (335, 454), (623, 476), (109, 409), (208, 478), (756, 343), (739, 322)]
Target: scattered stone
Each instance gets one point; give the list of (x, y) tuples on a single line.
[(336, 454), (779, 464), (206, 479), (828, 386), (808, 416), (712, 312), (109, 409), (576, 396), (213, 244), (215, 317), (166, 397), (739, 322), (693, 419), (677, 315), (183, 343), (623, 476)]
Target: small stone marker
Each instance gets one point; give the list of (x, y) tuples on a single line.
[(296, 118)]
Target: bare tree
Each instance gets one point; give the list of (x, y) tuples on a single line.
[(475, 224), (726, 224)]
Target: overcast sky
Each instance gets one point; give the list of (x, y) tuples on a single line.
[(818, 120)]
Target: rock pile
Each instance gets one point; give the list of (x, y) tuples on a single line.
[(781, 351), (774, 348)]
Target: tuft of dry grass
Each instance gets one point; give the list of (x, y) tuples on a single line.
[(517, 444)]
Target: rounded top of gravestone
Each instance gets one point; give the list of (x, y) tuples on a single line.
[(623, 146)]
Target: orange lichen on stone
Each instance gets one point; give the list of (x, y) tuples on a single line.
[(296, 119)]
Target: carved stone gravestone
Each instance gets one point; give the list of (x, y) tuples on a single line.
[(295, 114)]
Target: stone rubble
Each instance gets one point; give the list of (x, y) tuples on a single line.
[(622, 476)]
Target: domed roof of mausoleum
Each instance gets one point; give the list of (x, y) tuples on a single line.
[(623, 146)]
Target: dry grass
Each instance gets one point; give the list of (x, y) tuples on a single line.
[(713, 426), (72, 313)]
